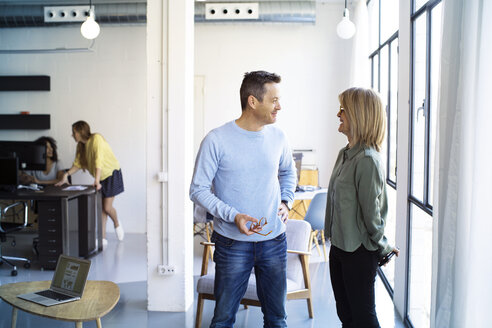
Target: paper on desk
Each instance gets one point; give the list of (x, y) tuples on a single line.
[(72, 188)]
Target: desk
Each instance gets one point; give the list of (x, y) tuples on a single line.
[(69, 222), (99, 298), (302, 199)]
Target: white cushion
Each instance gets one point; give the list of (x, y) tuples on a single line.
[(298, 233), (205, 285)]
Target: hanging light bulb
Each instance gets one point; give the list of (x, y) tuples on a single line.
[(90, 28), (346, 29)]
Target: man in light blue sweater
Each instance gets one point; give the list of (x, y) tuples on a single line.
[(245, 177)]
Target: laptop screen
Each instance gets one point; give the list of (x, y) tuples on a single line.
[(71, 274)]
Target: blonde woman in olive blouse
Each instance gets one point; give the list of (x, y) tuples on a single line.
[(357, 207), (95, 155)]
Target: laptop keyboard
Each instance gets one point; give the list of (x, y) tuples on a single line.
[(54, 295)]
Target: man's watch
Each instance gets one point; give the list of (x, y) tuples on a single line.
[(288, 204)]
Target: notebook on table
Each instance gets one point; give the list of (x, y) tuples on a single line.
[(67, 285)]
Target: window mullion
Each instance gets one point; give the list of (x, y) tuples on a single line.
[(427, 110)]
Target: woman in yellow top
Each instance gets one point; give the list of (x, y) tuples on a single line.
[(95, 155)]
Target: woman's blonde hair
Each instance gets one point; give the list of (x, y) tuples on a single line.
[(366, 115), (83, 128)]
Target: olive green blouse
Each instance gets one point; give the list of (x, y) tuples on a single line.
[(357, 205)]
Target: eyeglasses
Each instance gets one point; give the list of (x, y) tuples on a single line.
[(341, 109), (260, 224)]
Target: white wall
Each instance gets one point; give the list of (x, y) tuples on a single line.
[(314, 65), (106, 88)]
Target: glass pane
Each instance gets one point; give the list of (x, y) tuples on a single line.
[(418, 112), (434, 80), (393, 106), (419, 4), (373, 11), (383, 92), (389, 18), (375, 73), (420, 267), (384, 79), (390, 232)]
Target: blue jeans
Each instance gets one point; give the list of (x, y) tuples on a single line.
[(233, 263)]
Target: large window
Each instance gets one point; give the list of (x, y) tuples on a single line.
[(383, 21), (426, 45), (425, 33)]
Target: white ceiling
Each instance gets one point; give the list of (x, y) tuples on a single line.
[(96, 2)]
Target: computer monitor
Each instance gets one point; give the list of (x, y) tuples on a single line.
[(298, 161), (31, 154), (9, 178)]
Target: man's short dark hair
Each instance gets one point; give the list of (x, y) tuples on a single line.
[(254, 84)]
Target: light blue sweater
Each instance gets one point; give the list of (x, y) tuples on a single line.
[(249, 173)]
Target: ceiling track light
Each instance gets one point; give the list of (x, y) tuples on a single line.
[(90, 28), (346, 28)]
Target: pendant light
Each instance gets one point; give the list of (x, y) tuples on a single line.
[(90, 28), (346, 29)]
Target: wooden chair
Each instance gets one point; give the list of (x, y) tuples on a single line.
[(202, 225), (315, 215), (298, 279), (308, 177)]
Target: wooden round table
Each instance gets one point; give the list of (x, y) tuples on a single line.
[(98, 299)]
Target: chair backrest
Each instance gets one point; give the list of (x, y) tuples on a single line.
[(297, 234), (9, 227), (199, 214), (315, 214)]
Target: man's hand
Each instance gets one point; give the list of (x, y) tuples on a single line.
[(283, 212), (241, 220)]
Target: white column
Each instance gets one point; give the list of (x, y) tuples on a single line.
[(402, 178), (170, 42)]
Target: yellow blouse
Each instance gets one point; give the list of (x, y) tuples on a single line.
[(98, 155)]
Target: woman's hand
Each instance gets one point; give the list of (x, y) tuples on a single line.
[(97, 185), (396, 250), (385, 259), (25, 179), (64, 180)]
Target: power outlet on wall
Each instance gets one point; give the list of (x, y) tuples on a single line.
[(241, 10), (166, 270), (66, 14)]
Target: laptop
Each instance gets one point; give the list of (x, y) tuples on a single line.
[(67, 285)]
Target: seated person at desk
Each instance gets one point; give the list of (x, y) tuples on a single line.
[(53, 172)]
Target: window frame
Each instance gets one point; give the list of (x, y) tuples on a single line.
[(423, 204), (385, 46), (427, 8)]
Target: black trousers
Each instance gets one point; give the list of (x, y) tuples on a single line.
[(352, 277)]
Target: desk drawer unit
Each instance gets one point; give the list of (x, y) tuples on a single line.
[(50, 233)]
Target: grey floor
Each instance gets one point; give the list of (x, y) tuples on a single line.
[(125, 264)]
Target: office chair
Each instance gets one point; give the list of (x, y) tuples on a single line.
[(9, 227), (315, 215)]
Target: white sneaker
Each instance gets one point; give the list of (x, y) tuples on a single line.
[(119, 232), (105, 242)]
